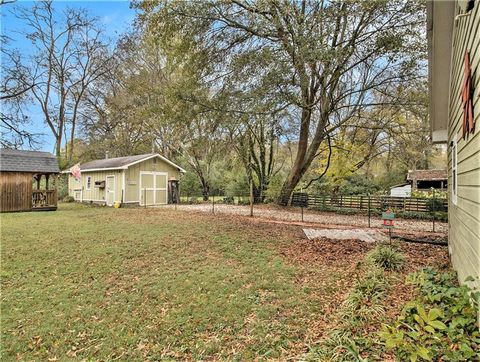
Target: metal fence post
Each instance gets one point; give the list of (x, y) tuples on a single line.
[(251, 198), (145, 197), (369, 210), (213, 204), (433, 208)]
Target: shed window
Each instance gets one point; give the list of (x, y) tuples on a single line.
[(89, 182), (454, 173)]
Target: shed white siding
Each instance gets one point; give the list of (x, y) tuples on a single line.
[(401, 191)]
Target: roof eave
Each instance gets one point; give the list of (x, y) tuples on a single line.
[(440, 23), (131, 164), (161, 157), (98, 169)]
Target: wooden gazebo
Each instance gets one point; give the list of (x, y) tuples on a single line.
[(28, 180)]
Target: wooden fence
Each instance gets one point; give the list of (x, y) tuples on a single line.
[(360, 202)]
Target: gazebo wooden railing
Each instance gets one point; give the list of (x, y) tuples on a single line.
[(44, 199)]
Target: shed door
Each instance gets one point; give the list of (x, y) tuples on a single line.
[(153, 188), (147, 189), (110, 190), (160, 189)]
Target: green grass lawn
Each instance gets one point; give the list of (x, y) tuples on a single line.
[(133, 284)]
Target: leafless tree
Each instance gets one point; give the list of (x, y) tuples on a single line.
[(65, 61), (14, 94)]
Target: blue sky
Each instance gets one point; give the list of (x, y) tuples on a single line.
[(116, 17)]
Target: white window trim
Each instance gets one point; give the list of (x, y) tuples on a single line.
[(454, 193), (88, 186)]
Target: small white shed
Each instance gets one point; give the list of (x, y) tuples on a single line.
[(403, 190)]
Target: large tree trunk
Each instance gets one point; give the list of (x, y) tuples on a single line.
[(289, 185), (305, 156), (205, 191)]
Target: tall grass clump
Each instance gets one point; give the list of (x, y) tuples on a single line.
[(366, 298), (387, 257)]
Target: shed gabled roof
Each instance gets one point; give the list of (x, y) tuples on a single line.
[(122, 162), (28, 161), (427, 175)]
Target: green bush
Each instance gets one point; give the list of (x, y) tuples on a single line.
[(358, 184), (386, 257), (439, 216), (339, 210), (440, 325), (428, 194), (62, 186), (243, 201), (435, 205), (68, 199)]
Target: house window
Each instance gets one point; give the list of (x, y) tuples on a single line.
[(454, 173), (89, 182)]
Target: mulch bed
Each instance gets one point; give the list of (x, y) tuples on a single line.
[(344, 255), (327, 251), (347, 251)]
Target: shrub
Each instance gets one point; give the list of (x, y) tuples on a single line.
[(62, 186), (386, 257), (193, 200), (428, 194), (439, 215), (440, 324), (435, 205), (228, 199), (243, 201), (68, 199)]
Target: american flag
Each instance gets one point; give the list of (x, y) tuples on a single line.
[(75, 171)]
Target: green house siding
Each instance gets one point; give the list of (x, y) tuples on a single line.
[(127, 183), (132, 179), (464, 215), (95, 194)]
